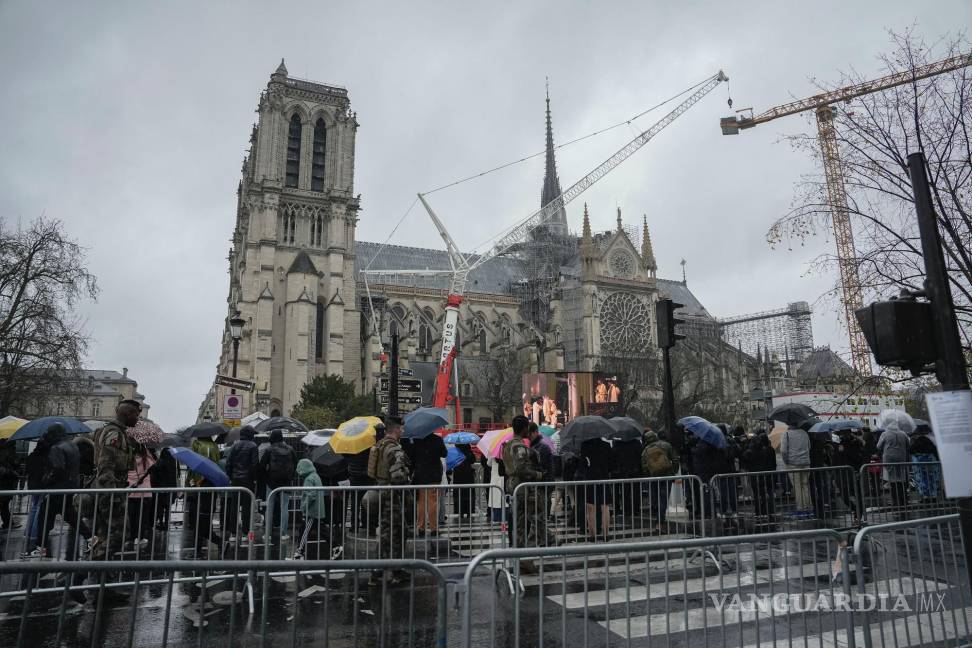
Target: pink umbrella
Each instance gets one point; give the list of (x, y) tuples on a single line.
[(492, 442), (547, 441)]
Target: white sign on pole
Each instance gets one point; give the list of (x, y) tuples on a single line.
[(233, 407), (951, 420)]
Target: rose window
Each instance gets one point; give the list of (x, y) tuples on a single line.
[(625, 325)]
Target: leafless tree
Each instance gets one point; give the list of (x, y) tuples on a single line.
[(497, 381), (42, 341), (876, 133)]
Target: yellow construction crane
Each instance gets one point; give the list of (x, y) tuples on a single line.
[(843, 233)]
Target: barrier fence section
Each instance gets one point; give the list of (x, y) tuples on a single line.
[(915, 579), (893, 491), (441, 523), (801, 498), (200, 603), (773, 589), (574, 512)]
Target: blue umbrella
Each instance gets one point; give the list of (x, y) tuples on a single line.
[(200, 464), (834, 425), (35, 429), (462, 437), (704, 430), (454, 457), (424, 421)]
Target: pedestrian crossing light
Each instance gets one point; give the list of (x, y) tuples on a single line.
[(666, 323)]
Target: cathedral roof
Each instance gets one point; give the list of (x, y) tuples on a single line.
[(681, 294), (302, 265), (495, 276), (823, 363)]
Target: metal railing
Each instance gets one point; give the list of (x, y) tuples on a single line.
[(913, 579), (574, 512), (143, 524), (640, 593), (441, 523), (330, 603), (891, 492), (777, 500)]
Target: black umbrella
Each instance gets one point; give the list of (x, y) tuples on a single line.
[(626, 429), (584, 428), (793, 414), (330, 465), (168, 441), (284, 423), (205, 429)]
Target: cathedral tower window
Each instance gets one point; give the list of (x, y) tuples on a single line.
[(319, 332), (317, 162), (483, 349), (317, 230), (293, 151), (425, 338)]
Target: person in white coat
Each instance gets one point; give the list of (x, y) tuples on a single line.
[(497, 492)]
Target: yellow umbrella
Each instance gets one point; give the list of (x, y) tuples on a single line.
[(9, 425), (356, 435)]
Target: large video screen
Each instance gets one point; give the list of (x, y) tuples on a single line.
[(554, 398)]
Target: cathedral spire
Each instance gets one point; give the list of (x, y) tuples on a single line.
[(647, 254), (586, 233), (281, 69), (551, 183)]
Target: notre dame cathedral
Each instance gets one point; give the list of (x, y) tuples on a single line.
[(560, 301)]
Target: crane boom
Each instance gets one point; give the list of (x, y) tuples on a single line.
[(821, 104), (517, 233), (857, 90)]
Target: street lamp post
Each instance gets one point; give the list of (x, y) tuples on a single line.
[(236, 332)]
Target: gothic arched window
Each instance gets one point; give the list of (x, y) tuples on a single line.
[(425, 338), (293, 151), (482, 341), (317, 161)]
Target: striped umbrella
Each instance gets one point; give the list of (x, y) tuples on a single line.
[(9, 425)]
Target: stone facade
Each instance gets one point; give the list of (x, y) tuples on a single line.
[(291, 264), (88, 394)]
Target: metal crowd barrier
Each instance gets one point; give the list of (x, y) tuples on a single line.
[(768, 593), (574, 512), (200, 603), (441, 523), (144, 525), (916, 575), (892, 492), (777, 500)]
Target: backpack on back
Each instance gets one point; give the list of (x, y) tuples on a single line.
[(280, 467), (656, 462)]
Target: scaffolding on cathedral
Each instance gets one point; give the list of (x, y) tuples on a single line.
[(785, 332)]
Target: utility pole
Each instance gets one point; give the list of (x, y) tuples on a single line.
[(950, 366), (393, 378)]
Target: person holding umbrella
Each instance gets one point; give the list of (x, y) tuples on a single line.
[(464, 504), (277, 468), (795, 450)]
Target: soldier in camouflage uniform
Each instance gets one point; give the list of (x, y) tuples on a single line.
[(389, 466), (114, 457), (521, 464)]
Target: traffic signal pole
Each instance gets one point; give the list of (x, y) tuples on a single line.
[(669, 394), (950, 366)]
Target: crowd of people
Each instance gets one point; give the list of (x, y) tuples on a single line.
[(774, 467)]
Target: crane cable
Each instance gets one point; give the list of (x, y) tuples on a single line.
[(568, 143)]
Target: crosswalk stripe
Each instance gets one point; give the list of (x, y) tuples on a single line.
[(711, 617), (712, 584)]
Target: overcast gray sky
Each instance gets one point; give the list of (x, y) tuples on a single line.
[(129, 122)]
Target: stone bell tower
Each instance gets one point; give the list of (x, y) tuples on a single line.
[(292, 259)]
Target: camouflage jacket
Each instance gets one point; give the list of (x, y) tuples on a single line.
[(114, 456), (520, 464), (392, 466)]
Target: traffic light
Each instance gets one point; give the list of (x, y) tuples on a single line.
[(666, 323), (901, 333)]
